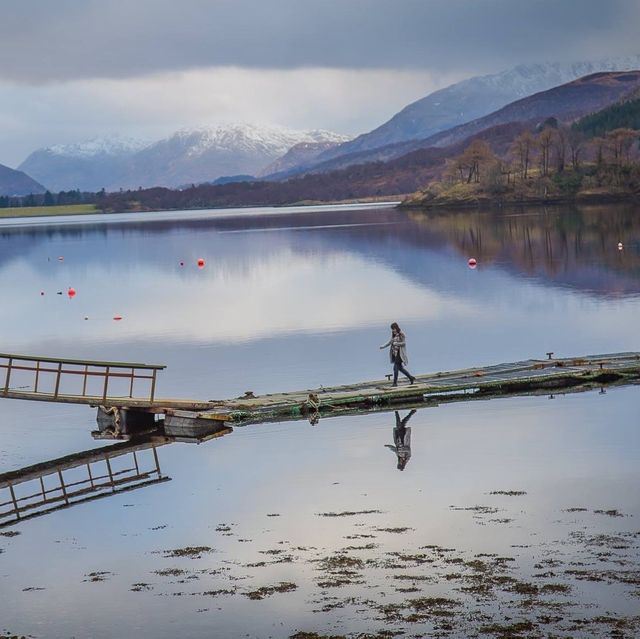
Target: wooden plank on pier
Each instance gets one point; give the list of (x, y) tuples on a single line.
[(491, 381)]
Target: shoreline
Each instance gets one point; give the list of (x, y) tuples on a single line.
[(498, 203), (19, 212), (176, 215), (74, 210)]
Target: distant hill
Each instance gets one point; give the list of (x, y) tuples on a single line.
[(229, 179), (301, 154), (474, 98), (88, 166), (15, 183), (188, 156), (566, 103)]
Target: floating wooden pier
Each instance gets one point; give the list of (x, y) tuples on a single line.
[(119, 413), (149, 422), (532, 376)]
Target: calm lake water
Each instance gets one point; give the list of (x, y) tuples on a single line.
[(514, 515)]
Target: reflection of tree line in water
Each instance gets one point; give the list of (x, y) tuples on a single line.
[(553, 239)]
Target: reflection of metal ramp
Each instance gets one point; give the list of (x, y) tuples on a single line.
[(42, 488)]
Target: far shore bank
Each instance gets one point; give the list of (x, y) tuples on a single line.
[(487, 202), (34, 212), (42, 211)]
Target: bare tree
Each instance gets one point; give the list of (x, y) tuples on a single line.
[(545, 141), (455, 170), (522, 150), (619, 142), (599, 144), (575, 140), (560, 148), (474, 160)]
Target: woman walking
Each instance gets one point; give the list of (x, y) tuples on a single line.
[(398, 354)]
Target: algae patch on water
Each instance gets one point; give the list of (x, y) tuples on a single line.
[(267, 591), (350, 513), (192, 552)]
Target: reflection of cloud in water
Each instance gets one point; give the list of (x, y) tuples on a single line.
[(283, 293)]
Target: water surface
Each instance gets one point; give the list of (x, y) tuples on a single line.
[(302, 298)]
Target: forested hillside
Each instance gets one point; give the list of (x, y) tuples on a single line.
[(618, 116)]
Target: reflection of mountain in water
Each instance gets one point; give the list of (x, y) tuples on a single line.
[(558, 246)]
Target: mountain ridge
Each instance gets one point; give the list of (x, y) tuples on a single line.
[(473, 98), (17, 183), (189, 155), (565, 102)]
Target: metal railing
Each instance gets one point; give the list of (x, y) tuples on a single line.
[(55, 369), (41, 489)]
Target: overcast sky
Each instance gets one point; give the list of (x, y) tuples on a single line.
[(74, 69)]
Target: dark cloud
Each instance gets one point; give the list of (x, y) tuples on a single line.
[(45, 40)]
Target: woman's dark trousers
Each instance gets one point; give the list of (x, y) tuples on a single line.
[(398, 367)]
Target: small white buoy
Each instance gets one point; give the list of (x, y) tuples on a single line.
[(620, 247)]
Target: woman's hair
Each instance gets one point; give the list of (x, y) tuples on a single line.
[(395, 326)]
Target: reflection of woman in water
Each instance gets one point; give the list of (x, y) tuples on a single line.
[(402, 440), (398, 354)]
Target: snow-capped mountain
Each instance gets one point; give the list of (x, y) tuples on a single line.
[(205, 154), (474, 98), (252, 138), (116, 145), (88, 166), (188, 156)]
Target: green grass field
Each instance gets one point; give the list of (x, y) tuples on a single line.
[(35, 211)]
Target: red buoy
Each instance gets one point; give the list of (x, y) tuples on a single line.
[(71, 292), (472, 262), (117, 318), (61, 258), (200, 262)]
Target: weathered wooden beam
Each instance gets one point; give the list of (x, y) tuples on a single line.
[(62, 360)]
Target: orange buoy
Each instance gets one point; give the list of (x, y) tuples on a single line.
[(472, 262), (71, 292)]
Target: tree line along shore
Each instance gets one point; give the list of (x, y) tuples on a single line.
[(554, 164)]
